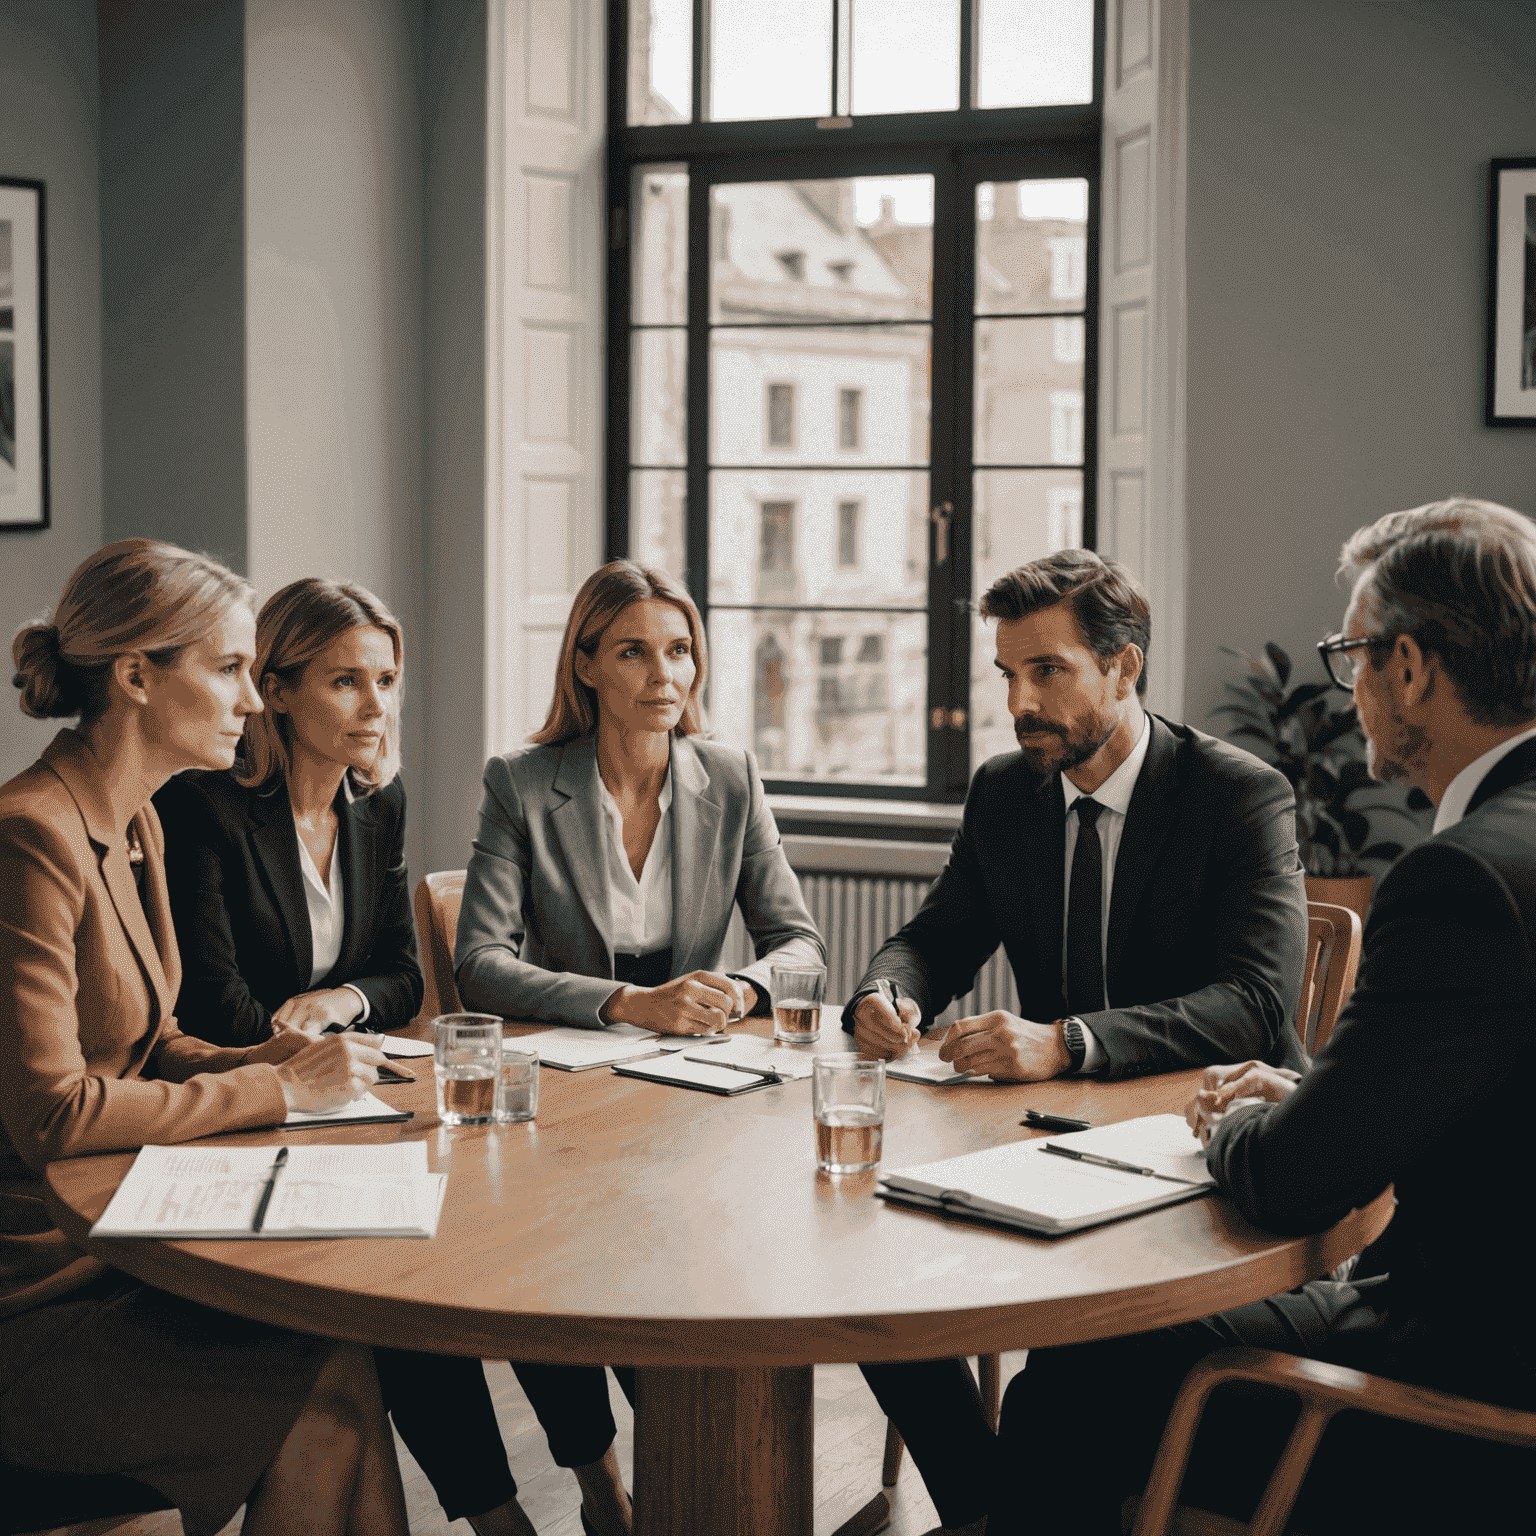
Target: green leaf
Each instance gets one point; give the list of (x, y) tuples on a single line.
[(1279, 660)]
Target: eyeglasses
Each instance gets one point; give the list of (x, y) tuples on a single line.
[(1342, 645)]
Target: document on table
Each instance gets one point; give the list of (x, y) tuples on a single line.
[(919, 1066), (578, 1050), (683, 1073), (749, 1051), (321, 1191), (367, 1109), (1021, 1185)]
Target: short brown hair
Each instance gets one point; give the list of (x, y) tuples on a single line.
[(131, 595), (1459, 576), (294, 626), (605, 594), (1110, 608)]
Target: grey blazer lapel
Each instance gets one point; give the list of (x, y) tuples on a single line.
[(696, 857), (576, 824)]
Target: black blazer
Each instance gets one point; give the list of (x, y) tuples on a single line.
[(1425, 1085), (237, 898), (1207, 919)]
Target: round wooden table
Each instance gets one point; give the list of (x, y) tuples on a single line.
[(693, 1237)]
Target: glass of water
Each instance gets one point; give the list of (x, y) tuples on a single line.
[(848, 1095), (517, 1088), (466, 1059), (798, 993)]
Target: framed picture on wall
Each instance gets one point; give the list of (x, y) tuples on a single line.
[(1512, 293), (23, 358)]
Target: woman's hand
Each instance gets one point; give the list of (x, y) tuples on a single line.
[(331, 1072), (699, 1003), (1228, 1087), (312, 1011)]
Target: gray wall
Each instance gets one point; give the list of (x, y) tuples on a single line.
[(48, 132), (1338, 163), (333, 311), (173, 272)]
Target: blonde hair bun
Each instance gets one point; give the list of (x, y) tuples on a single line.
[(50, 687)]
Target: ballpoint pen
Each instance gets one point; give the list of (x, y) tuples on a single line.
[(266, 1195), (1099, 1161), (766, 1073)]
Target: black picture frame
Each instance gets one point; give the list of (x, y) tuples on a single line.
[(24, 500), (1511, 391)]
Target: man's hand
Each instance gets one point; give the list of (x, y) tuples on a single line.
[(700, 1003), (1006, 1047), (1230, 1087), (878, 1032), (312, 1011)]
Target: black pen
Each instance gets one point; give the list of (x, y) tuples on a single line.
[(1039, 1120), (1100, 1161), (266, 1194)]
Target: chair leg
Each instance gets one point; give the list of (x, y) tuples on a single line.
[(893, 1448), (990, 1370), (875, 1516)]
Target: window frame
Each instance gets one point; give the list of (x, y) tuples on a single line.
[(961, 149)]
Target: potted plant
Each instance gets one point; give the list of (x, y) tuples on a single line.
[(1321, 752)]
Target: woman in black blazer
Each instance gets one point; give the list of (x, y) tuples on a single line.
[(289, 894)]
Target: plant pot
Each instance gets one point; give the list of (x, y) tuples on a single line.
[(1342, 891)]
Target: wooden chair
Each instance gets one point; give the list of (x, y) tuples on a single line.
[(1333, 957), (437, 919), (1324, 1390), (875, 1515)]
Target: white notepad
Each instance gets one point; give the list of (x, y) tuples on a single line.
[(919, 1066), (789, 1061), (322, 1191), (682, 1073), (367, 1109), (578, 1050), (1021, 1185)]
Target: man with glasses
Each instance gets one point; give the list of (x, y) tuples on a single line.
[(1423, 1086)]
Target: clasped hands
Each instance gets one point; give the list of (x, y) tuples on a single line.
[(1232, 1087), (700, 1003), (997, 1044)]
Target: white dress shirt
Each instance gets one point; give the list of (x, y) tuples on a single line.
[(327, 904), (1459, 792), (1114, 794), (639, 911)]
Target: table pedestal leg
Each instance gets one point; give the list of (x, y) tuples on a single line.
[(720, 1451)]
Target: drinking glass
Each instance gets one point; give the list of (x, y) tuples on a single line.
[(466, 1060), (798, 993), (848, 1094), (517, 1088)]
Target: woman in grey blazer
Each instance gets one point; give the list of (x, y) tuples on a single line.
[(608, 862)]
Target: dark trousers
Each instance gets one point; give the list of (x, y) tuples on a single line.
[(442, 1408), (936, 1406), (571, 1402), (1080, 1426)]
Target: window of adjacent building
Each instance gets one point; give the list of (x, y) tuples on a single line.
[(781, 415), (850, 418), (849, 516), (849, 382)]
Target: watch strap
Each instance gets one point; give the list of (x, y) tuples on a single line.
[(1075, 1041)]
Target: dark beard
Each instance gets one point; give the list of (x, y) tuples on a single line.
[(1075, 750)]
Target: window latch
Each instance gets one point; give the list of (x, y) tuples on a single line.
[(941, 516)]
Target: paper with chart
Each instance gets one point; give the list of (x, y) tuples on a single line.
[(319, 1191)]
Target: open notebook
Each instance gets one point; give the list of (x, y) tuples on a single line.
[(1022, 1185), (321, 1191), (578, 1050)]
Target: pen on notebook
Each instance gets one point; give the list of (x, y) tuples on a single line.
[(266, 1194), (1100, 1161), (734, 1066)]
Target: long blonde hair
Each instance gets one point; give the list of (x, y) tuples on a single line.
[(293, 627), (131, 595), (605, 594)]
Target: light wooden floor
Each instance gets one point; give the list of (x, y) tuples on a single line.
[(850, 1436)]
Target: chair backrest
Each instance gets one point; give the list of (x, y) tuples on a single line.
[(437, 920), (1333, 957)]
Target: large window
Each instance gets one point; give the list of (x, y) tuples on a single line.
[(851, 340)]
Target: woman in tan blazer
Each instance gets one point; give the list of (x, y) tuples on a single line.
[(151, 647)]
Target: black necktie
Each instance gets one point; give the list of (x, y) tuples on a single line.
[(1085, 914)]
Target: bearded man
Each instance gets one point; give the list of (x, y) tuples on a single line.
[(1144, 881)]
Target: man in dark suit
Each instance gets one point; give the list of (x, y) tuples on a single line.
[(1144, 881), (1423, 1086)]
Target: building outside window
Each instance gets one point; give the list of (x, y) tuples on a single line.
[(849, 381)]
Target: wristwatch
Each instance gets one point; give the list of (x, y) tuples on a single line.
[(1072, 1037)]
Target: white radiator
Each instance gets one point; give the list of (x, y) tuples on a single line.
[(858, 905)]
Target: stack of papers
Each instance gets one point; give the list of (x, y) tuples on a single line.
[(366, 1109), (326, 1191), (578, 1050), (1022, 1185), (919, 1066), (705, 1075)]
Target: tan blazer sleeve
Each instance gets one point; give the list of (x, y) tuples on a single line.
[(79, 1032)]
